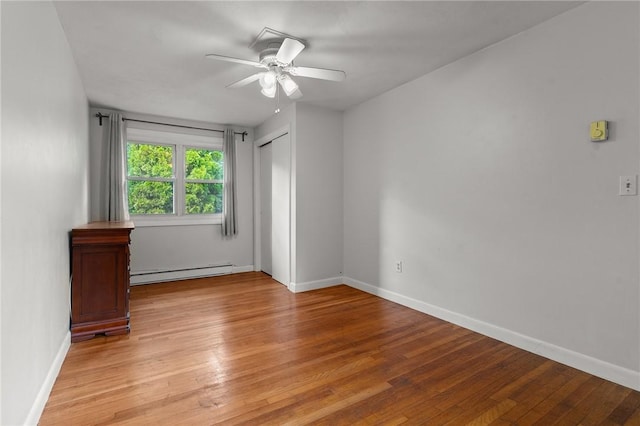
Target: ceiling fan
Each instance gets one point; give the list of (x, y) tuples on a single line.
[(277, 60)]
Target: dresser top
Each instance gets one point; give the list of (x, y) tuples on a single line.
[(106, 225)]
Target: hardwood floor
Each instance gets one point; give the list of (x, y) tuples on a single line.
[(243, 349)]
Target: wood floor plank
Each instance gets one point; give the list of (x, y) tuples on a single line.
[(534, 415), (623, 412), (634, 419), (242, 349), (598, 414), (542, 388), (567, 405), (492, 413)]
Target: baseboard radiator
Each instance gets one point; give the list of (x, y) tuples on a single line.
[(146, 277)]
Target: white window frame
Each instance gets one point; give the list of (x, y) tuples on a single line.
[(180, 142)]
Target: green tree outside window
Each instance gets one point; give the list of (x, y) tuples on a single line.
[(151, 179), (203, 181)]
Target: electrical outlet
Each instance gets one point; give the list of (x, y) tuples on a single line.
[(628, 185), (398, 265)]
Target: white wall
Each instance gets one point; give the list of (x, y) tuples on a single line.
[(481, 178), (319, 209), (286, 117), (186, 246), (44, 195), (316, 192)]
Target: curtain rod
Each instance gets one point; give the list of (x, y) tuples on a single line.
[(101, 116)]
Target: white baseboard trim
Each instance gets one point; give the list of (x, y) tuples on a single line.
[(45, 390), (147, 277), (603, 369), (240, 269), (314, 285)]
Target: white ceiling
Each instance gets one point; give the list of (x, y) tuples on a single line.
[(148, 56)]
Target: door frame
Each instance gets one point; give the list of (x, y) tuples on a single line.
[(257, 236), (266, 235)]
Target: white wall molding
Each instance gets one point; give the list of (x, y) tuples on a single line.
[(240, 269), (314, 285), (43, 394), (605, 370)]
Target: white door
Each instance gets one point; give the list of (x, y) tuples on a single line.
[(280, 209), (265, 208)]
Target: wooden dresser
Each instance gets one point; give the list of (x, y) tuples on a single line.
[(100, 283)]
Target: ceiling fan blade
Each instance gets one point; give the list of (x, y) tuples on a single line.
[(236, 60), (296, 95), (289, 49), (244, 81), (321, 73)]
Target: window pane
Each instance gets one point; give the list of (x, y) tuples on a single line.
[(203, 198), (203, 164), (148, 160), (148, 197)]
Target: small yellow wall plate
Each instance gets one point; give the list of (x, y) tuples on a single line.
[(599, 131)]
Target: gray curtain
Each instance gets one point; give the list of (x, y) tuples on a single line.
[(229, 216), (116, 205)]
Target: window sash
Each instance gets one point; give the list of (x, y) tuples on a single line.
[(203, 181), (179, 180), (152, 179)]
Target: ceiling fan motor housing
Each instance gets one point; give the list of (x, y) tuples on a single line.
[(268, 55)]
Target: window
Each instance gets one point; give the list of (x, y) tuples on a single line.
[(203, 181), (174, 178), (150, 178)]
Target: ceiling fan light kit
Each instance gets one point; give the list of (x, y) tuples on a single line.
[(277, 58), (288, 85), (267, 79), (269, 92)]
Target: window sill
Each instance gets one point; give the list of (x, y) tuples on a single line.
[(143, 221)]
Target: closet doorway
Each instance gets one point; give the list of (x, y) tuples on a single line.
[(275, 191)]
